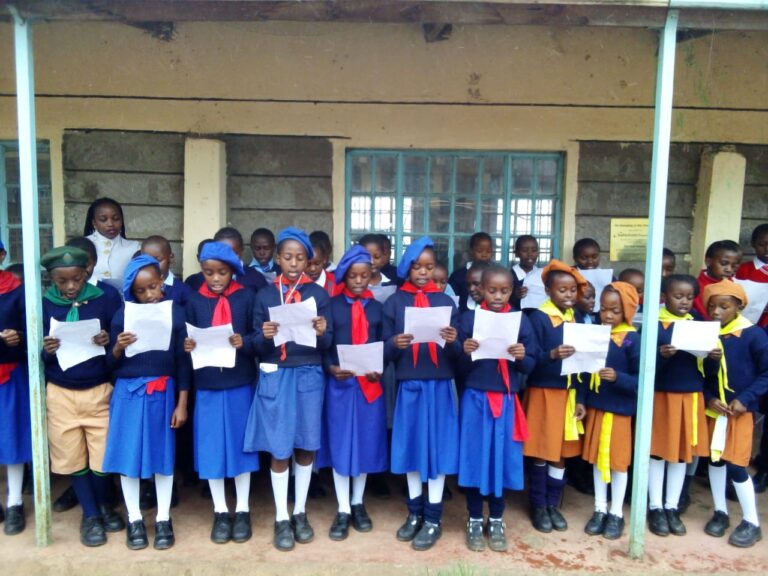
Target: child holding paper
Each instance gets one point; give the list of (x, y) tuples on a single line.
[(493, 425), (611, 402), (286, 414), (721, 260), (550, 399), (527, 254), (355, 416), (223, 395), (144, 414), (425, 430), (77, 398), (740, 382), (757, 269)]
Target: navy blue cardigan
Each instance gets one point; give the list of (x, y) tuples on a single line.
[(678, 373), (619, 397), (13, 317), (341, 314), (178, 291), (547, 371), (253, 280)]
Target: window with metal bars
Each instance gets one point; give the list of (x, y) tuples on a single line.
[(450, 195)]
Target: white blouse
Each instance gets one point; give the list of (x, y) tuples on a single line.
[(113, 256)]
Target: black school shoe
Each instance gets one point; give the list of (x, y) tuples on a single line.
[(136, 536), (113, 522), (14, 520), (760, 480), (614, 527), (221, 531), (745, 535), (66, 501), (92, 532), (426, 537), (283, 536), (474, 538), (164, 536), (241, 527), (541, 520), (676, 525), (559, 522), (497, 537), (718, 524), (302, 530), (596, 524), (360, 519), (340, 527), (410, 528), (657, 522)]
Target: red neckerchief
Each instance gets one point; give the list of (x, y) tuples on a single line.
[(496, 399), (222, 314), (5, 371), (293, 296), (157, 385), (421, 301), (371, 390), (8, 282)]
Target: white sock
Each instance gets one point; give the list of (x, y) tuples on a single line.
[(302, 480), (414, 484), (358, 489), (556, 473), (164, 489), (15, 483), (131, 489), (280, 493), (243, 491), (341, 485), (656, 483), (745, 491), (717, 479), (618, 491), (675, 480), (690, 469), (601, 491), (436, 489), (217, 493)]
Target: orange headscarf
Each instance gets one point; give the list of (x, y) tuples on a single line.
[(558, 266), (724, 288), (629, 299)]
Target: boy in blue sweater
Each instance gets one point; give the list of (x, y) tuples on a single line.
[(159, 248)]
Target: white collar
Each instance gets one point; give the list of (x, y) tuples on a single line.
[(471, 304), (321, 279), (169, 279), (98, 238), (469, 265), (93, 281), (384, 278), (758, 263), (522, 274)]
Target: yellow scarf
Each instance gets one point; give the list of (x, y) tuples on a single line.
[(556, 315), (617, 335)]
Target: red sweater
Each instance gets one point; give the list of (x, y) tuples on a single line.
[(750, 271), (704, 280)]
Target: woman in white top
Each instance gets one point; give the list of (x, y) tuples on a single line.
[(105, 227)]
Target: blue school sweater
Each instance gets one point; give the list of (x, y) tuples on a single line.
[(341, 314), (484, 374), (173, 362), (746, 356), (458, 281), (679, 373), (253, 280), (199, 312), (111, 293), (619, 397), (178, 291), (394, 324), (13, 317), (546, 374), (93, 371), (296, 355)]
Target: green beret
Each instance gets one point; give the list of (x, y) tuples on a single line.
[(64, 257)]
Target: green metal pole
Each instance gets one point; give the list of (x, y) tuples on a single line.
[(657, 209), (25, 102)]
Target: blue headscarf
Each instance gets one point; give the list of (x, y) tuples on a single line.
[(132, 270), (412, 254), (2, 246), (299, 236), (223, 253), (355, 255)]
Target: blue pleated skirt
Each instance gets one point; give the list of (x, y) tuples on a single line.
[(287, 411), (425, 429), (354, 430), (219, 433), (140, 440), (489, 459), (15, 422)]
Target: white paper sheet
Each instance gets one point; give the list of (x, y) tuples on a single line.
[(757, 296), (76, 341), (719, 433), (425, 323), (362, 358), (151, 323), (295, 323), (212, 346), (599, 278), (381, 293), (591, 342), (698, 338), (536, 295), (495, 333)]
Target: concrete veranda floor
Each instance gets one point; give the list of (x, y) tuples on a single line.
[(378, 552)]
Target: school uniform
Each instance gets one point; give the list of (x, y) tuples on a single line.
[(699, 310), (110, 292), (390, 272), (467, 304), (270, 271), (757, 271), (176, 290), (327, 280), (586, 317), (113, 256), (518, 281), (458, 280)]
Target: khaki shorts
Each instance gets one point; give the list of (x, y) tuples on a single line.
[(77, 427)]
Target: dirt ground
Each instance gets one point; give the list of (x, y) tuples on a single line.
[(378, 552)]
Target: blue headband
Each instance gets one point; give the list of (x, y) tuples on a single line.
[(355, 255), (299, 236), (132, 270), (223, 253), (412, 254)]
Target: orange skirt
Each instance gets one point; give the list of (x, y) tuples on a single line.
[(672, 433), (621, 439), (738, 439), (545, 413)]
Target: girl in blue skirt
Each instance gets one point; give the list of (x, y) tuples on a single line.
[(493, 425), (285, 419), (425, 430), (355, 412), (15, 429), (143, 413)]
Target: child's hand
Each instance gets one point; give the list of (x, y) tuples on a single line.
[(470, 345), (236, 341), (373, 377), (10, 337), (340, 374), (736, 407), (402, 341), (101, 339), (189, 345), (715, 354), (125, 339), (517, 351), (179, 417), (51, 344), (319, 323), (269, 329), (562, 352), (521, 292), (580, 413), (667, 350), (449, 334), (719, 407), (607, 374)]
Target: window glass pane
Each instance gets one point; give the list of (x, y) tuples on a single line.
[(493, 176), (520, 217), (492, 215), (460, 251), (546, 171), (386, 174), (544, 217), (441, 175), (545, 249), (14, 204), (464, 214), (361, 174), (466, 176), (360, 213), (441, 250), (498, 249), (440, 215), (415, 175), (413, 214), (384, 213), (522, 169)]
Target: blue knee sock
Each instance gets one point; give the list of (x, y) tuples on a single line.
[(101, 487), (474, 502), (416, 506), (83, 487), (537, 486), (433, 512), (496, 506)]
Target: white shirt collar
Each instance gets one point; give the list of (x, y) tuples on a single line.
[(384, 278), (169, 279), (758, 263), (471, 304), (321, 279), (522, 274)]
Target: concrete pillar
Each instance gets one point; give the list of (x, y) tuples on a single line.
[(719, 195), (205, 194)]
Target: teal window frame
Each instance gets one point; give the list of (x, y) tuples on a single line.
[(509, 196)]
